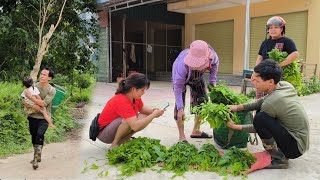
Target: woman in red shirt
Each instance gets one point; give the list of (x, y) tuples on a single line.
[(125, 113)]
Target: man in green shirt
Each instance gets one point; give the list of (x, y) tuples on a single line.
[(37, 123), (281, 120)]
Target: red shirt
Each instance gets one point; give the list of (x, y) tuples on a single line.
[(119, 106)]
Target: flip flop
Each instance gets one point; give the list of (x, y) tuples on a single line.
[(203, 135)]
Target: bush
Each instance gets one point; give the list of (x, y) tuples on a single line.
[(311, 86), (14, 133)]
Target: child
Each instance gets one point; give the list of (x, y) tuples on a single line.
[(28, 83)]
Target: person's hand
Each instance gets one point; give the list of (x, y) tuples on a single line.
[(158, 112), (180, 115), (233, 108), (51, 125), (36, 107), (230, 124)]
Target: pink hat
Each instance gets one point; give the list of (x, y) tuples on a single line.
[(198, 56)]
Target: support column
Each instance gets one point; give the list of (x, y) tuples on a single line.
[(103, 64), (313, 39)]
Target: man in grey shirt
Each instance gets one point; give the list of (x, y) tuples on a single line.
[(281, 120)]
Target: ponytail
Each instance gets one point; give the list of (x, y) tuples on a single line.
[(136, 80)]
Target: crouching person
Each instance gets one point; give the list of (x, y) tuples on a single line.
[(281, 120), (125, 113)]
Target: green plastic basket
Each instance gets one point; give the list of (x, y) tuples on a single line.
[(239, 138), (59, 97)]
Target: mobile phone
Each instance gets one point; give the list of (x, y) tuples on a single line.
[(165, 107)]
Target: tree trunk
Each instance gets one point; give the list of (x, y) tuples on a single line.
[(42, 50)]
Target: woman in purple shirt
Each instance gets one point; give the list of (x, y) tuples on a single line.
[(188, 69)]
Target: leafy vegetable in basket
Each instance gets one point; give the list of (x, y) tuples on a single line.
[(222, 94)]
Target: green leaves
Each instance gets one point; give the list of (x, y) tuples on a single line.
[(179, 157), (291, 72), (222, 94), (136, 155), (70, 46), (236, 161), (216, 112)]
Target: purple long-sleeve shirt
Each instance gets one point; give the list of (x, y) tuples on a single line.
[(181, 75)]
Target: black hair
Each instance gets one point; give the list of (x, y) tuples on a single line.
[(51, 72), (136, 80), (269, 69), (27, 82)]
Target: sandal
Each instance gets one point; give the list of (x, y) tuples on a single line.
[(203, 135)]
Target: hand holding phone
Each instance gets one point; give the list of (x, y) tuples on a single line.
[(165, 107)]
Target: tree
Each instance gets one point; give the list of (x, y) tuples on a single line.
[(70, 45), (43, 46)]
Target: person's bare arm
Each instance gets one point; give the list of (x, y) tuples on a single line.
[(235, 108), (291, 57), (147, 110), (259, 59), (34, 99), (36, 107), (137, 125)]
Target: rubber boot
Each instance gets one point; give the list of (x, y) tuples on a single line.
[(37, 156), (39, 153), (34, 153), (278, 159)]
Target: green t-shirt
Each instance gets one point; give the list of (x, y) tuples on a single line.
[(284, 105), (46, 94)]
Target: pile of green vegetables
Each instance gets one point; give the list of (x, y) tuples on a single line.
[(141, 153), (215, 111), (291, 72), (136, 155)]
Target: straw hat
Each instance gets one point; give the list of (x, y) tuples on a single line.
[(199, 55)]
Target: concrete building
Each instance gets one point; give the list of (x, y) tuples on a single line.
[(222, 23)]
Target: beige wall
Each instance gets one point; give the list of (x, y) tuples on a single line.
[(271, 7)]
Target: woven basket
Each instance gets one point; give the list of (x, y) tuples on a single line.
[(239, 138)]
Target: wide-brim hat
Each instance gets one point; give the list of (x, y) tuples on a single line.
[(198, 56)]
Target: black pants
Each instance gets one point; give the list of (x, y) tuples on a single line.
[(37, 128), (268, 127)]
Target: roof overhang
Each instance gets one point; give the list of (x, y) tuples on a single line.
[(195, 6), (115, 5)]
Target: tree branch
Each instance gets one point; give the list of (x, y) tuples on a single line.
[(60, 15), (29, 19)]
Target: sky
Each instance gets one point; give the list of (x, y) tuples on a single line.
[(101, 1)]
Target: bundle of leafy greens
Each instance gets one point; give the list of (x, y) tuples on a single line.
[(136, 155), (215, 114), (216, 111), (236, 161), (180, 158), (208, 158), (291, 72), (221, 93)]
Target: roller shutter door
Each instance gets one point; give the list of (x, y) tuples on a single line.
[(296, 29), (220, 36)]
